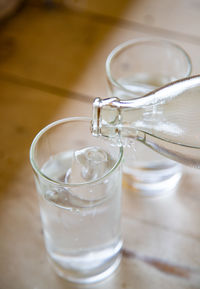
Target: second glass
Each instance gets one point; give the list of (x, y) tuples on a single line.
[(135, 68), (78, 179)]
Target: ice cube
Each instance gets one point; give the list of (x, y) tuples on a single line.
[(89, 164), (58, 197)]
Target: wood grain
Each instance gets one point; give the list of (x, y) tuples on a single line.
[(59, 48), (52, 60)]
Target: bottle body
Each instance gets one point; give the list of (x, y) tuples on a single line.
[(165, 120)]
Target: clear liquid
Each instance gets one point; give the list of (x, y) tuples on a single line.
[(82, 238)]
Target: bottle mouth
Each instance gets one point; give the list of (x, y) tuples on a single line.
[(95, 126), (98, 105)]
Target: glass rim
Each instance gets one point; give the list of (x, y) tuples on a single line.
[(38, 171), (119, 48)]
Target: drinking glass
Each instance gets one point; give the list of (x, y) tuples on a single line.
[(81, 220), (133, 69)]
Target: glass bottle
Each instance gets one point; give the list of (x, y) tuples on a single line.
[(166, 120)]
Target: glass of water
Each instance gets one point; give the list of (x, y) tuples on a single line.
[(78, 179), (135, 68)]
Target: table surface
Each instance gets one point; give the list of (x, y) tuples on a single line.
[(52, 59)]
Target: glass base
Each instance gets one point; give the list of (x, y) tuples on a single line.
[(151, 182), (85, 278)]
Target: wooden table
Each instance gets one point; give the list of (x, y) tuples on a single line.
[(52, 61)]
